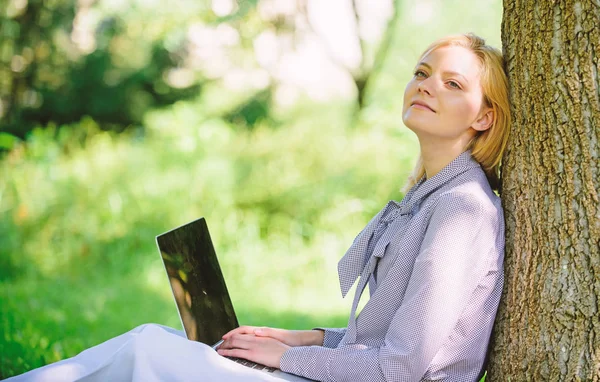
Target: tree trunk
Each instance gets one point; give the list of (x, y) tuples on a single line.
[(548, 323)]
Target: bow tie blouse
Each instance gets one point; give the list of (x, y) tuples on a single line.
[(433, 263)]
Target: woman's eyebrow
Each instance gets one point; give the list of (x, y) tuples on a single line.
[(422, 63), (457, 74)]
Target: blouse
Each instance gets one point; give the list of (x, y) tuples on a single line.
[(434, 265)]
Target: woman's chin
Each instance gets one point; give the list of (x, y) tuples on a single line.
[(418, 120), (417, 126)]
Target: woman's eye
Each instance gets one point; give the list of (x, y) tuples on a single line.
[(454, 84), (420, 74)]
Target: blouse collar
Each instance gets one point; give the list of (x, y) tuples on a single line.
[(425, 187)]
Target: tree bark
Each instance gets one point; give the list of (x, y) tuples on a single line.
[(548, 323)]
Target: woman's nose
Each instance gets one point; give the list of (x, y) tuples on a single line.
[(425, 87)]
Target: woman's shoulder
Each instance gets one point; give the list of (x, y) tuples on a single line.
[(473, 194)]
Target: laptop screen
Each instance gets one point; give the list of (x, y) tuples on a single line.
[(197, 283)]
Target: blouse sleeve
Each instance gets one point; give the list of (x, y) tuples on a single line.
[(459, 244), (332, 336)]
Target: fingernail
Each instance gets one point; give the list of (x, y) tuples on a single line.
[(258, 331)]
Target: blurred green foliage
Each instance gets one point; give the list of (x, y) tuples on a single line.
[(284, 187), (62, 60)]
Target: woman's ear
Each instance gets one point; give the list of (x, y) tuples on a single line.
[(485, 119)]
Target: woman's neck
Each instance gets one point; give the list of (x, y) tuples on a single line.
[(437, 155)]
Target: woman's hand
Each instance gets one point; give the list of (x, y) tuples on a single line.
[(264, 350), (288, 337)]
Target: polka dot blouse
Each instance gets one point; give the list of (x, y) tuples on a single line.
[(433, 263)]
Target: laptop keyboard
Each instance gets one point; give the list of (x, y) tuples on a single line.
[(252, 365)]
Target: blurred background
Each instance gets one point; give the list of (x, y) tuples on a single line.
[(277, 120)]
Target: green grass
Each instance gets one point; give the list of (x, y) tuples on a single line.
[(78, 217)]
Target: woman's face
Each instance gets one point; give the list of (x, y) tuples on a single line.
[(444, 99)]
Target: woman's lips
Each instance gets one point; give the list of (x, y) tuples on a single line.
[(423, 106)]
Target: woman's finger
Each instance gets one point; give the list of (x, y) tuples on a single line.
[(278, 334), (264, 332), (240, 330), (237, 341), (236, 353), (282, 335), (263, 350)]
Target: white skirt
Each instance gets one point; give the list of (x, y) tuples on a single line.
[(145, 354)]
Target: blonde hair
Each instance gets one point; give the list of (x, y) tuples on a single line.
[(487, 146)]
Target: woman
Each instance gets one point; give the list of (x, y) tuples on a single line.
[(433, 262)]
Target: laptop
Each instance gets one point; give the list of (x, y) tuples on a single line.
[(199, 289)]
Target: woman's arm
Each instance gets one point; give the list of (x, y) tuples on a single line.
[(288, 337), (461, 241)]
